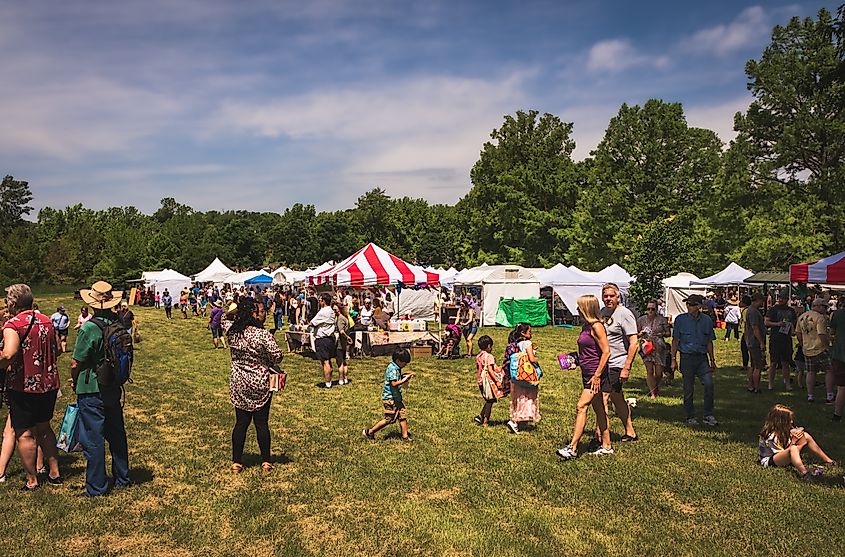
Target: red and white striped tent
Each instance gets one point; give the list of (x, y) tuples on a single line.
[(371, 266), (830, 270)]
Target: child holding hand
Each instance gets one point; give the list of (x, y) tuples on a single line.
[(491, 379), (781, 442), (391, 396)]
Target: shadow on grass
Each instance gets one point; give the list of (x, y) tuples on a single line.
[(140, 475)]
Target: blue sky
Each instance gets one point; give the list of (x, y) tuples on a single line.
[(259, 105)]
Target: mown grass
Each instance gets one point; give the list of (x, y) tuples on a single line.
[(457, 489)]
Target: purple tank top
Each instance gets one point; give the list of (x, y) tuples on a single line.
[(588, 351)]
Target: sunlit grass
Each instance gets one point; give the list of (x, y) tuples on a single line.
[(458, 489)]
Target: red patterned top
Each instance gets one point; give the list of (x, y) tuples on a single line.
[(34, 368)]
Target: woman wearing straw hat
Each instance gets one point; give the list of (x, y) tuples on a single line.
[(100, 413)]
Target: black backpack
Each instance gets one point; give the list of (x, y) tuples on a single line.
[(116, 366)]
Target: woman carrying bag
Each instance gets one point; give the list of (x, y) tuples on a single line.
[(255, 355)]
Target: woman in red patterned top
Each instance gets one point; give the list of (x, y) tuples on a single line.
[(29, 346)]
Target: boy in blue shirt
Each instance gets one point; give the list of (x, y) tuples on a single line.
[(391, 396)]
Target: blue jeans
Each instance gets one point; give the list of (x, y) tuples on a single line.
[(100, 420), (692, 366), (279, 318)]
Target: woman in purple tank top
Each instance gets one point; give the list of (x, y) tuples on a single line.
[(593, 353)]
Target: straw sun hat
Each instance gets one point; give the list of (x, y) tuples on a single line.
[(101, 295)]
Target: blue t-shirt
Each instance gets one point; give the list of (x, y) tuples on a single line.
[(693, 334), (392, 373), (60, 321), (167, 300)]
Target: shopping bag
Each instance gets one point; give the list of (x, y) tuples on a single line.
[(68, 437)]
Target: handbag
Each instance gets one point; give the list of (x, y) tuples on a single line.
[(487, 390), (278, 380), (68, 436), (647, 347)]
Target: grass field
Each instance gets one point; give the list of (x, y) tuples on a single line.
[(458, 489)]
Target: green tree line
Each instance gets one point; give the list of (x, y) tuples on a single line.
[(656, 195)]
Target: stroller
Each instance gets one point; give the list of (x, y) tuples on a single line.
[(450, 342)]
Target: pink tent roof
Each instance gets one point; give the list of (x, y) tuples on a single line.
[(372, 265), (830, 270)]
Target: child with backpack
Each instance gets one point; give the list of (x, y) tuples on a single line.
[(525, 387), (391, 396), (491, 379), (781, 442)]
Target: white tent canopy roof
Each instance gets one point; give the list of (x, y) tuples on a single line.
[(484, 274), (731, 275), (681, 280), (560, 274), (215, 272)]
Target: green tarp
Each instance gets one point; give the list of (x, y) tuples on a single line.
[(531, 310)]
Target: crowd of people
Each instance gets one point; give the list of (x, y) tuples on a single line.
[(610, 340)]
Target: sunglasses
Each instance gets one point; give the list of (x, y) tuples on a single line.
[(691, 304), (651, 309)]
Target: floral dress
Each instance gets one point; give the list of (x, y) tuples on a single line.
[(653, 329), (34, 369), (253, 351)]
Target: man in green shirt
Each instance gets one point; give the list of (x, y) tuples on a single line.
[(100, 413)]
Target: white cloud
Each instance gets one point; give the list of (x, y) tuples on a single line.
[(752, 26), (419, 134), (717, 117), (615, 55)]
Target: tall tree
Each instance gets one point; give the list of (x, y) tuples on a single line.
[(523, 192), (796, 130), (14, 199), (649, 166)]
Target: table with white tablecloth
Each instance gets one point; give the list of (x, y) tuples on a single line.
[(373, 343)]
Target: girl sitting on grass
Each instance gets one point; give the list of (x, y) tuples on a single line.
[(781, 442)]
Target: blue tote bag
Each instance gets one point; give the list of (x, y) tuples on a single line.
[(68, 435)]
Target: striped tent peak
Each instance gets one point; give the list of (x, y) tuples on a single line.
[(372, 265)]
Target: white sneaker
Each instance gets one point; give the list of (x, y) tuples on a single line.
[(711, 420), (692, 421), (513, 426), (603, 451), (566, 453)]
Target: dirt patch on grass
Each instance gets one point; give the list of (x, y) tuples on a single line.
[(678, 505)]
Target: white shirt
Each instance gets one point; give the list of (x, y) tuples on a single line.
[(366, 316), (324, 322)]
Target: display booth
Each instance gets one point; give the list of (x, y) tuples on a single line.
[(497, 282), (167, 279), (676, 289), (570, 283), (374, 266)]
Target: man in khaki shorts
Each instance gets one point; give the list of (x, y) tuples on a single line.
[(812, 333)]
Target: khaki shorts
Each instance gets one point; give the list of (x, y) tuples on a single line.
[(394, 411)]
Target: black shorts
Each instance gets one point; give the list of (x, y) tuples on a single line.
[(340, 356), (781, 353), (610, 382), (61, 333), (325, 348), (217, 331), (29, 409)]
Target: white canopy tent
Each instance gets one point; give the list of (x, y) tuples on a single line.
[(732, 275), (284, 275), (497, 282), (675, 291), (167, 279), (216, 272), (238, 279), (570, 284)]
